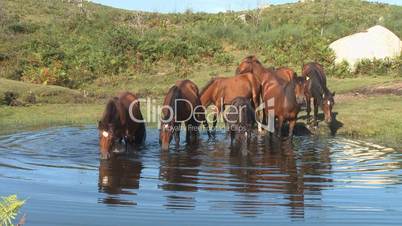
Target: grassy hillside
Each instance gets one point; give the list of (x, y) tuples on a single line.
[(57, 42)]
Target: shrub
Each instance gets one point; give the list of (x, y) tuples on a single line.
[(376, 66), (21, 27), (224, 59)]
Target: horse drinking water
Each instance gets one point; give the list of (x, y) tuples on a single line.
[(316, 88), (121, 120), (287, 98), (182, 104)]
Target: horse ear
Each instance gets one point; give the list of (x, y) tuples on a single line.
[(333, 94), (99, 124)]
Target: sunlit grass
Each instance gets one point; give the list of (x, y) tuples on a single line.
[(377, 117)]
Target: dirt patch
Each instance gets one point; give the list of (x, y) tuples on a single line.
[(391, 89), (395, 89)]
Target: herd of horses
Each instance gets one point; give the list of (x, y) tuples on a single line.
[(281, 91)]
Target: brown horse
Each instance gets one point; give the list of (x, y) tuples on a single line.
[(121, 120), (222, 91), (316, 88), (287, 98), (182, 104), (269, 76), (251, 64)]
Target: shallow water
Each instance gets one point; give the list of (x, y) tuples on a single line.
[(322, 180)]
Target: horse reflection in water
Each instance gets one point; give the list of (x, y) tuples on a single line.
[(255, 184), (179, 172), (119, 176), (265, 175)]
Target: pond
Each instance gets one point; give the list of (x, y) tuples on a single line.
[(329, 180)]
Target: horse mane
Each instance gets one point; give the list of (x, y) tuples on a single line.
[(210, 82), (290, 85), (110, 111), (317, 75), (175, 94)]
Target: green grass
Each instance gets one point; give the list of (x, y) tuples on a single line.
[(155, 85), (43, 93), (13, 119), (377, 118), (350, 84)]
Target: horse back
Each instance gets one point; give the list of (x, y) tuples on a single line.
[(283, 96), (129, 102), (186, 93), (285, 74), (316, 81)]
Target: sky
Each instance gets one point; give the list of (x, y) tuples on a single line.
[(212, 6)]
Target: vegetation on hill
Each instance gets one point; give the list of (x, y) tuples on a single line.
[(58, 42)]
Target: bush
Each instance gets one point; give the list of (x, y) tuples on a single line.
[(10, 98), (378, 67), (21, 27), (341, 70), (224, 59)]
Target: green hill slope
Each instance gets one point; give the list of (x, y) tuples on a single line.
[(58, 42)]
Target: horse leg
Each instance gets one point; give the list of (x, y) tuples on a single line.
[(292, 124), (315, 112), (278, 133), (215, 121), (188, 128), (206, 126), (232, 136), (177, 133), (256, 102), (279, 127), (214, 124), (308, 109)]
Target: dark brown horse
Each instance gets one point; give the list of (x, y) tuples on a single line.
[(285, 98), (240, 118), (222, 91), (316, 88), (181, 104), (121, 120)]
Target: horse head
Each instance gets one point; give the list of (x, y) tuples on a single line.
[(107, 137), (248, 65)]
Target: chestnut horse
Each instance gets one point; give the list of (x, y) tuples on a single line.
[(240, 119), (316, 88), (118, 123), (182, 104), (222, 91), (287, 97), (269, 76), (251, 64)]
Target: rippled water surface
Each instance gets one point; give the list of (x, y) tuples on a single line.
[(322, 180)]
